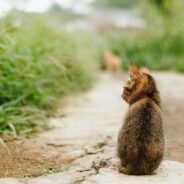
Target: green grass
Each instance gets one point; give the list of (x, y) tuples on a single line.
[(114, 3), (39, 66), (158, 50), (159, 45), (46, 171)]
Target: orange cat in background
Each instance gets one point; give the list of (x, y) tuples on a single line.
[(111, 62)]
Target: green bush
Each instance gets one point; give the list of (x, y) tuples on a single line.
[(38, 66), (159, 45), (115, 3), (159, 49)]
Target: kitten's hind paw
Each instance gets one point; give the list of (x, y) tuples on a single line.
[(124, 170)]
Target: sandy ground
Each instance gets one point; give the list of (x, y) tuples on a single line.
[(86, 129), (97, 116)]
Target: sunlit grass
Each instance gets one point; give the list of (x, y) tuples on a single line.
[(38, 67), (160, 49)]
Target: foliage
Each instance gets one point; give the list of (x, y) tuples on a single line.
[(157, 51), (38, 67), (164, 6), (159, 45), (62, 14), (115, 3)]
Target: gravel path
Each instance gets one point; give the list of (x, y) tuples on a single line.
[(87, 130)]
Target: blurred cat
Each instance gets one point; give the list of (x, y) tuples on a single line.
[(111, 62), (141, 138)]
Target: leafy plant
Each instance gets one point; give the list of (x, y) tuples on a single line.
[(39, 65)]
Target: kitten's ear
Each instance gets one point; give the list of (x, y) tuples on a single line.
[(134, 72), (144, 69)]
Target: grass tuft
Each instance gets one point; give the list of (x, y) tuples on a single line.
[(39, 65)]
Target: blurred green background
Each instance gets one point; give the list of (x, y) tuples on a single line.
[(159, 44), (48, 54)]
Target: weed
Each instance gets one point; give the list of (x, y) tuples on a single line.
[(39, 66)]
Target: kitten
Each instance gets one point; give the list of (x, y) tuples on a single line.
[(111, 62), (141, 138)]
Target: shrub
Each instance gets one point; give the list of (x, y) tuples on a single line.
[(38, 67)]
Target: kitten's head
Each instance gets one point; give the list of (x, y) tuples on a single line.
[(140, 84)]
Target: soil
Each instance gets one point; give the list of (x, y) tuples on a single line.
[(28, 158), (85, 133)]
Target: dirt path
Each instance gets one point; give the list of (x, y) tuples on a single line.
[(86, 129)]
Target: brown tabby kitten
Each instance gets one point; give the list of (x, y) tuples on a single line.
[(141, 138)]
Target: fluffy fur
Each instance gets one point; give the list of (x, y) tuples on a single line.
[(111, 61), (141, 138)]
